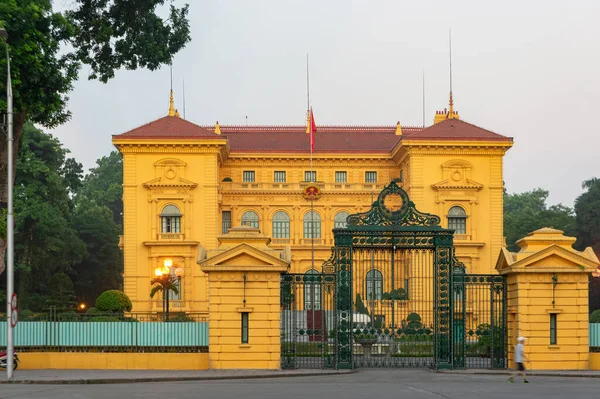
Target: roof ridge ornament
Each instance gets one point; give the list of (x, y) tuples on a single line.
[(382, 212)]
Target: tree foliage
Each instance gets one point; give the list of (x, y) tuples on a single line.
[(61, 294), (527, 212), (104, 185), (102, 267), (587, 208), (113, 301), (45, 241), (48, 49)]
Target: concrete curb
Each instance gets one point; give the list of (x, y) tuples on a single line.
[(84, 381), (529, 373)]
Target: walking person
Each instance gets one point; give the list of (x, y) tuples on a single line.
[(519, 359)]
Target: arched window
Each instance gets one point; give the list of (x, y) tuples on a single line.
[(374, 285), (281, 225), (170, 218), (312, 290), (312, 225), (457, 220), (250, 219), (340, 220)]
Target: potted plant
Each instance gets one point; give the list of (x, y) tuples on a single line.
[(365, 339)]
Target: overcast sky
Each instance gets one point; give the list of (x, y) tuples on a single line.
[(525, 69)]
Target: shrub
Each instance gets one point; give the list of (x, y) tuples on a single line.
[(113, 301), (595, 316), (92, 310), (26, 315)]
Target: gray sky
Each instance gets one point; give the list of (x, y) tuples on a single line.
[(526, 69)]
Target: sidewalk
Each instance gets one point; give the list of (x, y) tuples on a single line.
[(533, 373), (131, 376)]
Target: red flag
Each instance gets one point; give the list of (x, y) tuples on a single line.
[(313, 129)]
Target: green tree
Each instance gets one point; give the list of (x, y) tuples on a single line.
[(587, 209), (527, 212), (61, 294), (102, 267), (104, 185), (45, 241), (48, 48), (360, 306)]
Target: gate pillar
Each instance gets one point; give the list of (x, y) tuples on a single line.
[(244, 301), (548, 299)]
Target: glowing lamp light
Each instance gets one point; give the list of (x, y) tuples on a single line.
[(179, 272), (158, 272), (168, 262), (82, 306)]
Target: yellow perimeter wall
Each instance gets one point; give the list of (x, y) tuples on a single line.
[(113, 361)]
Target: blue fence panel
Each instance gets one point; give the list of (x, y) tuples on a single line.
[(107, 334), (595, 335), (173, 334), (94, 333)]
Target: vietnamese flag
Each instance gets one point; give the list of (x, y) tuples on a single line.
[(313, 129)]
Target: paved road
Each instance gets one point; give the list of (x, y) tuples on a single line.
[(369, 384)]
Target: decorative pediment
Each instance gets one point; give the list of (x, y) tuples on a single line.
[(456, 175), (467, 184), (169, 172), (244, 258), (161, 182), (553, 259)]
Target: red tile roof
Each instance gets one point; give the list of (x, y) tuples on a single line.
[(456, 129), (168, 127), (327, 138), (376, 139)]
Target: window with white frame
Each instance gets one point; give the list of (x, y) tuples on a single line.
[(312, 225), (457, 220), (170, 218), (341, 177), (370, 177), (339, 221), (225, 221), (281, 225), (374, 285), (279, 177), (312, 290), (249, 176), (310, 176), (250, 218)]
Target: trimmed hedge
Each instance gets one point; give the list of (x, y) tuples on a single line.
[(113, 301)]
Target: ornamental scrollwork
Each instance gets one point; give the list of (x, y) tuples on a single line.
[(381, 214)]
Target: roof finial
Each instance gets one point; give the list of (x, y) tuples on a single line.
[(451, 114), (172, 110), (217, 128), (398, 129)]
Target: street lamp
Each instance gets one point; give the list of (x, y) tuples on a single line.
[(166, 276), (10, 345)]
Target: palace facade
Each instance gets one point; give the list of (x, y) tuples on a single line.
[(185, 185)]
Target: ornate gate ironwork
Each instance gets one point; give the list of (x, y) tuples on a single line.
[(395, 292), (393, 295), (479, 322), (308, 320)]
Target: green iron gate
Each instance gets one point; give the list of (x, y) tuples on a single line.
[(393, 295), (308, 320)]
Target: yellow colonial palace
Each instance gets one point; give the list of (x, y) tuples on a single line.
[(186, 185)]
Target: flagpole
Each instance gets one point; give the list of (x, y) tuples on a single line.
[(312, 209)]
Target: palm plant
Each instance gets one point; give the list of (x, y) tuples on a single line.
[(164, 284)]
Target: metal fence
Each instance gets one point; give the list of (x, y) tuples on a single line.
[(595, 337), (109, 333)]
